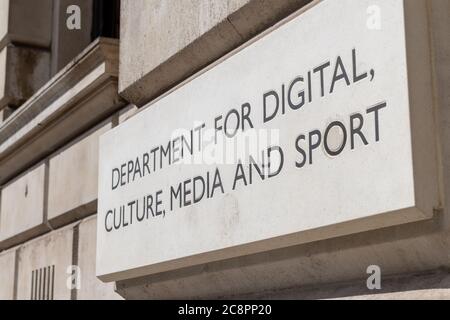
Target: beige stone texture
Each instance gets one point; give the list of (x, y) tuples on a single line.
[(54, 252), (22, 207), (7, 274), (73, 174), (91, 287), (164, 42)]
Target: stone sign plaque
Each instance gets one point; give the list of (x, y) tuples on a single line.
[(320, 127)]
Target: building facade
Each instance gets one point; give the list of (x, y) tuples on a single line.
[(359, 210)]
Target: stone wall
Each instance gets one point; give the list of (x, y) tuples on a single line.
[(48, 205), (49, 160)]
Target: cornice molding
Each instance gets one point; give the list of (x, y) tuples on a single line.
[(79, 96)]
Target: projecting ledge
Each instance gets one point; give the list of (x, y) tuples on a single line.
[(78, 97)]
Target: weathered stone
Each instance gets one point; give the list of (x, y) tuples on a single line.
[(164, 42), (91, 287), (7, 274), (43, 126), (73, 175), (22, 72), (3, 70), (397, 250), (22, 208), (45, 267), (126, 113)]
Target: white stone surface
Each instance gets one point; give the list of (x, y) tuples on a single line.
[(7, 268), (127, 113), (22, 205), (164, 42), (53, 250), (362, 188), (73, 173), (91, 97), (91, 287), (26, 69), (166, 27)]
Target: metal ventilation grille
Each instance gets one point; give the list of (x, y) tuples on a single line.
[(42, 283)]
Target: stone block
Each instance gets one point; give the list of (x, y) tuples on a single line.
[(43, 266), (3, 72), (7, 274), (73, 173), (164, 42), (22, 208), (23, 71), (91, 287)]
